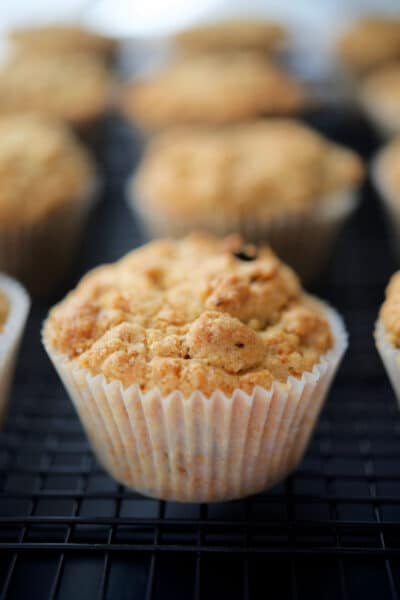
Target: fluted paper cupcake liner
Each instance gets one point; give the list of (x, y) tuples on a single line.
[(10, 337), (39, 253), (390, 356), (304, 240), (390, 200), (198, 448)]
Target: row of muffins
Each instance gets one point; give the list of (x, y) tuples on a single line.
[(198, 367)]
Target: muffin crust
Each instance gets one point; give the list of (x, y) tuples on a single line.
[(381, 90), (195, 314), (63, 38), (4, 310), (390, 310), (388, 163), (74, 87), (42, 165), (213, 89), (370, 42), (232, 35), (266, 167)]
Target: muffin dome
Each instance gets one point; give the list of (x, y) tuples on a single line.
[(42, 166), (263, 169), (74, 87), (213, 89), (195, 314)]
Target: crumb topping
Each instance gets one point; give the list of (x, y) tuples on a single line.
[(232, 35), (191, 314), (74, 87), (60, 38), (41, 166), (390, 310), (220, 88), (192, 172), (370, 42)]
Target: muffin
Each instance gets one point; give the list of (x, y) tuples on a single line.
[(212, 89), (370, 42), (198, 367), (73, 87), (58, 38), (232, 35), (47, 186), (385, 173), (379, 96), (275, 180), (14, 308)]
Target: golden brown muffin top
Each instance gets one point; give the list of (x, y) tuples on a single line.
[(4, 310), (390, 310), (42, 165), (235, 34), (388, 165), (74, 87), (214, 89), (63, 38), (381, 90), (194, 314), (370, 42), (266, 167)]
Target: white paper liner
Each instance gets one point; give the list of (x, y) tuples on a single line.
[(39, 253), (305, 240), (390, 356), (10, 338), (390, 200), (201, 449)]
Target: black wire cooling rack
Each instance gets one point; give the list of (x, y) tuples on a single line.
[(330, 531)]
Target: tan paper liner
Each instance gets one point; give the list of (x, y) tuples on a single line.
[(39, 253), (305, 240), (390, 200), (390, 356), (201, 449), (10, 337)]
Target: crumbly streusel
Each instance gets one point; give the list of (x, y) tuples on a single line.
[(63, 38), (370, 42), (42, 165), (266, 167), (74, 87), (4, 310), (213, 89), (232, 35), (198, 313), (390, 310), (381, 90)]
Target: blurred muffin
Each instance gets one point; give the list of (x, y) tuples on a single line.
[(379, 96), (225, 36), (386, 177), (213, 89), (74, 87), (14, 308), (47, 183), (370, 42), (387, 333), (274, 180), (59, 38), (198, 367)]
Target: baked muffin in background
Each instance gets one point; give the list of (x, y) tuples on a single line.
[(212, 89), (74, 87), (369, 42), (379, 96), (231, 35), (275, 180), (385, 171), (47, 186), (60, 38), (198, 367), (14, 308)]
